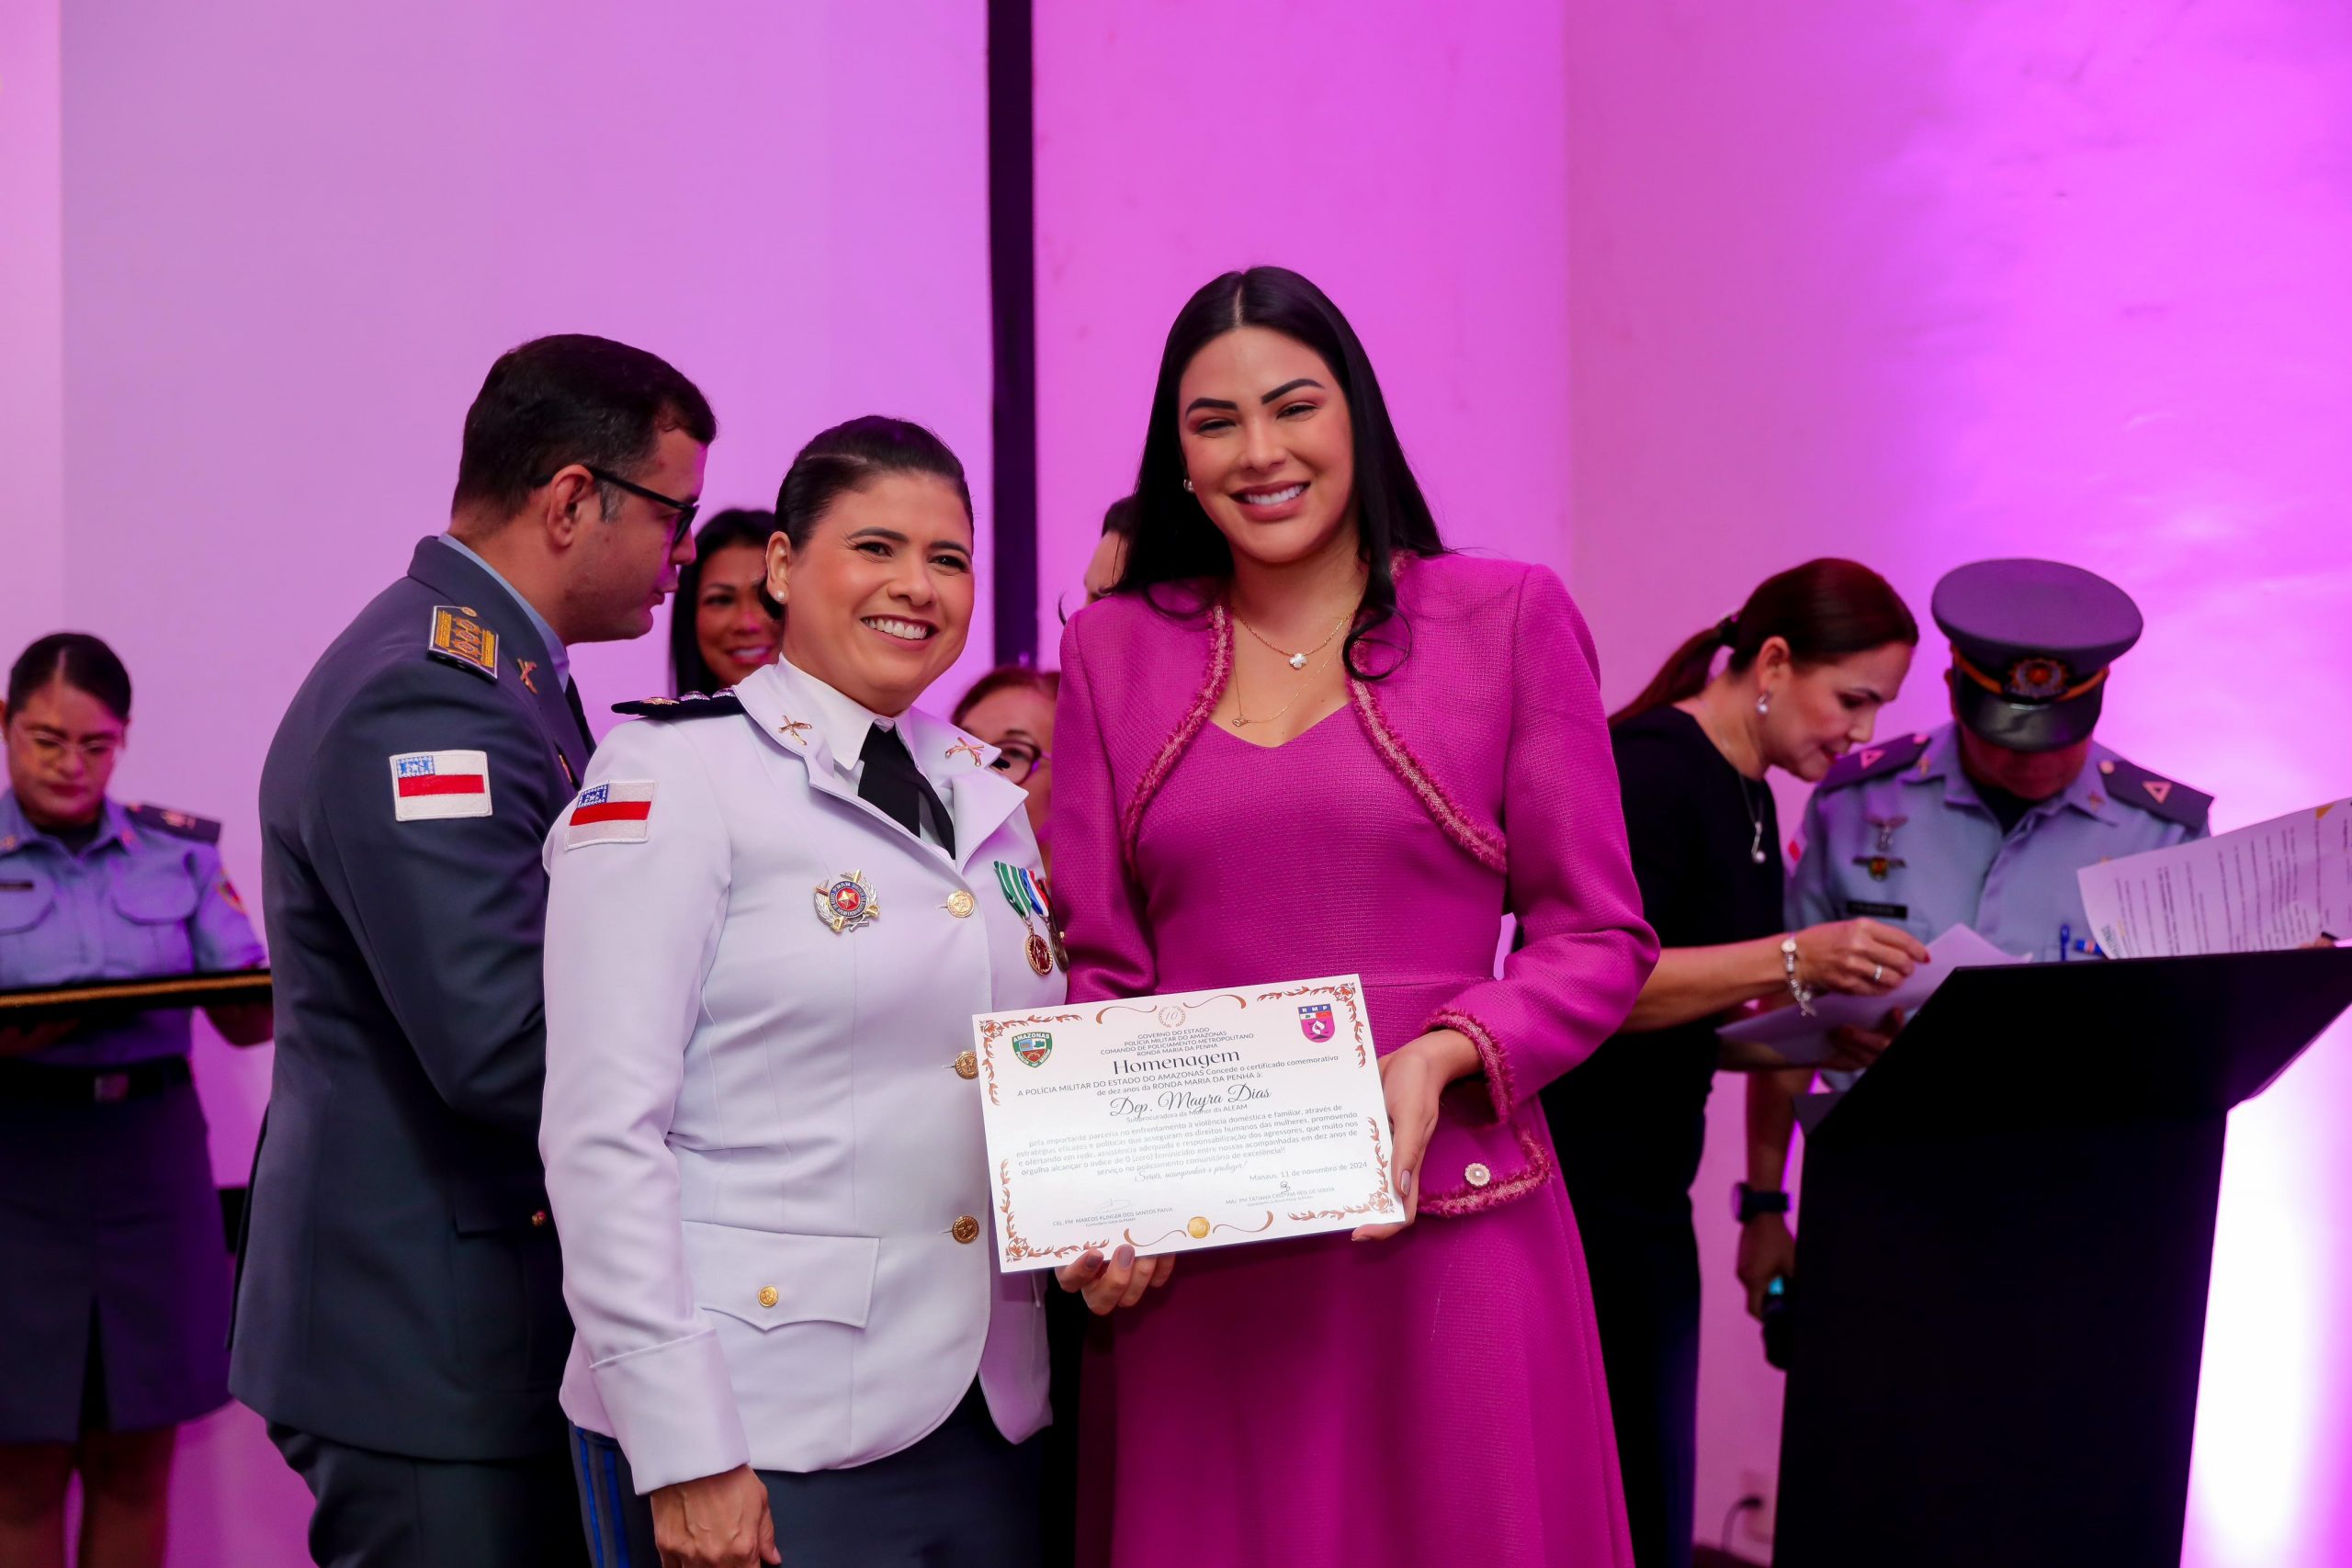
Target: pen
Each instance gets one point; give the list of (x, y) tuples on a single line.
[(2066, 939)]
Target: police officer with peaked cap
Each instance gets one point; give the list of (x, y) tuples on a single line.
[(399, 1318), (1984, 821)]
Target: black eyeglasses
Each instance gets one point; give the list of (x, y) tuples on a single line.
[(685, 509), (1017, 761)]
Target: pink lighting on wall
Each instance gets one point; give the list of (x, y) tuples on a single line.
[(1924, 283)]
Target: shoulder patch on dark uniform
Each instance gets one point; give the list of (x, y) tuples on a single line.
[(203, 829), (2154, 794), (1874, 760), (457, 638), (693, 704)]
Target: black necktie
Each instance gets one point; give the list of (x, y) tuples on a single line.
[(579, 713), (892, 783)]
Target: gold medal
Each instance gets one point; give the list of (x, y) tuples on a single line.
[(1040, 951)]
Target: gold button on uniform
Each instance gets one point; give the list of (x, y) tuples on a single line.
[(966, 1229), (961, 904), (967, 1066), (767, 1295), (538, 1218), (1477, 1175)]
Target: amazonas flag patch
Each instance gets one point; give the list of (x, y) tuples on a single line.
[(429, 786), (618, 811)]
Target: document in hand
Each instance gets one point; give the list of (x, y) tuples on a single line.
[(1170, 1124), (1805, 1041), (2275, 884)]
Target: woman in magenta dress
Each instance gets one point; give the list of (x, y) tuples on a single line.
[(1301, 739)]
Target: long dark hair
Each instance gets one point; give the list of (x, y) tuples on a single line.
[(1174, 542), (1827, 609), (689, 672)]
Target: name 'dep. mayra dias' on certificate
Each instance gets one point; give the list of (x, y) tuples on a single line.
[(1169, 1123)]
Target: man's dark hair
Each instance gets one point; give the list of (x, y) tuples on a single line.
[(1122, 516), (79, 660), (571, 398)]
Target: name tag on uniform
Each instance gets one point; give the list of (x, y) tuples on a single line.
[(1878, 912), (429, 786), (618, 811)]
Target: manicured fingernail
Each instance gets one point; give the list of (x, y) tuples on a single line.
[(1126, 1256), (1404, 1184)]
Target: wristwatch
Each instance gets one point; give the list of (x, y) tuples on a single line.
[(1747, 1202)]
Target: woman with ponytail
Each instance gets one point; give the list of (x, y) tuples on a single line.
[(1806, 664)]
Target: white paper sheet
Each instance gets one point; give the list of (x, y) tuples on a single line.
[(1169, 1124), (1805, 1041), (2278, 883)]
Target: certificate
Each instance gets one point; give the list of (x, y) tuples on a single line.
[(2278, 883), (1170, 1124)]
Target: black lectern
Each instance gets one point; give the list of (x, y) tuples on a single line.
[(2006, 1238)]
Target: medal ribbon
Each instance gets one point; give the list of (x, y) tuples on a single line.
[(1036, 896), (1006, 883)]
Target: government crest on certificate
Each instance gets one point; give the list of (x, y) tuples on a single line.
[(1170, 1124)]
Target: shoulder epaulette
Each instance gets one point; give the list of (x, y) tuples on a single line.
[(203, 829), (693, 704), (2152, 793), (1875, 760), (457, 638)]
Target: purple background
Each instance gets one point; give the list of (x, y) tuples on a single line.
[(1667, 294)]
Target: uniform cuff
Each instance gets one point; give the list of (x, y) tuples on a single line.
[(673, 1411)]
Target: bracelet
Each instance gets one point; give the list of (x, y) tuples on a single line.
[(1797, 988)]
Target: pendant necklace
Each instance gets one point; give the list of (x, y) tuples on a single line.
[(1297, 660), (1756, 844), (1242, 720)]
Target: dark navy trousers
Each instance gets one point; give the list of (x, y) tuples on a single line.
[(963, 1497)]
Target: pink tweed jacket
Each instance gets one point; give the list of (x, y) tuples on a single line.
[(1489, 710)]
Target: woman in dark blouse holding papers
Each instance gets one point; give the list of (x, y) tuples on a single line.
[(1813, 655)]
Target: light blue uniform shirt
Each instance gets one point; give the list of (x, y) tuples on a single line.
[(1913, 845), (138, 901), (558, 656)]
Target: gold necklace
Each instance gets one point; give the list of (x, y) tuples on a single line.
[(1297, 660), (1242, 720)]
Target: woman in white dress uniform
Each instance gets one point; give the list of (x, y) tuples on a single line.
[(772, 915)]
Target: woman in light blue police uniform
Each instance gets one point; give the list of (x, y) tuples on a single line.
[(772, 916), (114, 1278)]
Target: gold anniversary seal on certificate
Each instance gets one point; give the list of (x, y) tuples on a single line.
[(1169, 1124)]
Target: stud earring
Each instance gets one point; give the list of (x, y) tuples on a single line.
[(1764, 702), (1188, 487)]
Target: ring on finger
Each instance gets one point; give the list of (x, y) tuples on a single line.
[(1878, 973)]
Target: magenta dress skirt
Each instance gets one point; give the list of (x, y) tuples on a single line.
[(1436, 1399)]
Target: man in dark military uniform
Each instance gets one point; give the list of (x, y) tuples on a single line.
[(400, 1318), (1983, 822)]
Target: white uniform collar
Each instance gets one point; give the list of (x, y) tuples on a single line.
[(839, 721), (818, 721), (814, 721)]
